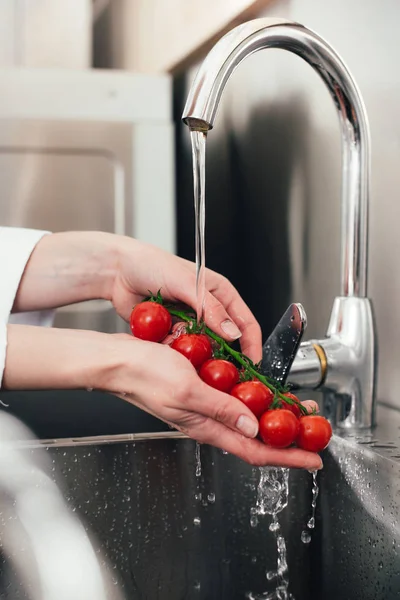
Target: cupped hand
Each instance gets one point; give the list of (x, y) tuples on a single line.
[(142, 267), (162, 382)]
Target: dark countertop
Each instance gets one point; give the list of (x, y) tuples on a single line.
[(71, 414)]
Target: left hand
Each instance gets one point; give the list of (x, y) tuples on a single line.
[(70, 267), (147, 268)]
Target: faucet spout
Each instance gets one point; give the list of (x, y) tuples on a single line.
[(206, 91), (323, 362)]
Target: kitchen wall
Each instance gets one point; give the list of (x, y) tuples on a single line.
[(274, 174), (46, 33)]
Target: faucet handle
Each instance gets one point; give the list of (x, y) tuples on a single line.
[(281, 347)]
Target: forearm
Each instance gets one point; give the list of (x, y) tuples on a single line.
[(68, 267), (50, 358)]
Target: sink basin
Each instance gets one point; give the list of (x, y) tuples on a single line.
[(169, 534), (358, 530)]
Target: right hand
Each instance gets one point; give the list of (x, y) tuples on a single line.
[(153, 377), (165, 384)]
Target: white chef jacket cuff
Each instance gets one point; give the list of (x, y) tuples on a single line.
[(16, 246)]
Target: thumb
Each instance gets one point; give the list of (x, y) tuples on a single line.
[(226, 409)]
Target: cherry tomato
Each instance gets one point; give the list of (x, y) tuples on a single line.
[(294, 408), (219, 374), (314, 433), (195, 346), (279, 428), (150, 321), (255, 395)]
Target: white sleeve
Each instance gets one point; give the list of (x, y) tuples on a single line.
[(16, 246)]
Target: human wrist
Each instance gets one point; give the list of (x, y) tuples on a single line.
[(68, 267), (50, 358)]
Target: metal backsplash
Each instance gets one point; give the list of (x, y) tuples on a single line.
[(274, 174)]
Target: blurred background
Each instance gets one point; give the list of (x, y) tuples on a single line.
[(91, 94)]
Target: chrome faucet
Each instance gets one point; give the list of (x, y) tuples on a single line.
[(343, 365), (47, 545)]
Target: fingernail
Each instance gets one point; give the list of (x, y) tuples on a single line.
[(230, 329), (311, 467), (247, 426)]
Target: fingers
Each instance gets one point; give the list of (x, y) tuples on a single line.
[(252, 451), (218, 319), (231, 426), (311, 406), (178, 329), (224, 409), (224, 292), (225, 312)]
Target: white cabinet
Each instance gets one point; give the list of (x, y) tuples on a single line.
[(88, 150), (46, 33)]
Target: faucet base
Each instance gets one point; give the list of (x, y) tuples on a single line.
[(347, 357)]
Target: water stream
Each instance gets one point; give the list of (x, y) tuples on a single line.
[(306, 533), (272, 498), (198, 139)]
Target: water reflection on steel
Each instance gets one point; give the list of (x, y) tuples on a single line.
[(48, 554)]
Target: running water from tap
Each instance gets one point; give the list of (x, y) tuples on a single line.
[(305, 534), (272, 498), (198, 139), (198, 459)]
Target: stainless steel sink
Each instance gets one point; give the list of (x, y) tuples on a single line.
[(141, 501), (358, 530)]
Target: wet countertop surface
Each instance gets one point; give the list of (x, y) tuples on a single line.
[(384, 439)]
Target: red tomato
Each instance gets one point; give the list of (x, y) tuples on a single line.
[(219, 374), (314, 433), (195, 346), (150, 321), (294, 408), (255, 395), (279, 428)]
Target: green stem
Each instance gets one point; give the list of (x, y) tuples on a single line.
[(240, 358)]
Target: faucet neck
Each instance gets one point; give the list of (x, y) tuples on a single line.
[(206, 91)]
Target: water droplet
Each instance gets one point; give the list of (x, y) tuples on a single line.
[(274, 526), (211, 497), (311, 523), (305, 537), (253, 521), (197, 521)]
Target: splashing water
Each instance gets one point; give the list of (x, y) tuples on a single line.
[(305, 534), (198, 139), (272, 491), (272, 498)]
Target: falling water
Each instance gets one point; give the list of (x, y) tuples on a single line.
[(198, 139), (272, 498), (198, 459), (306, 535)]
